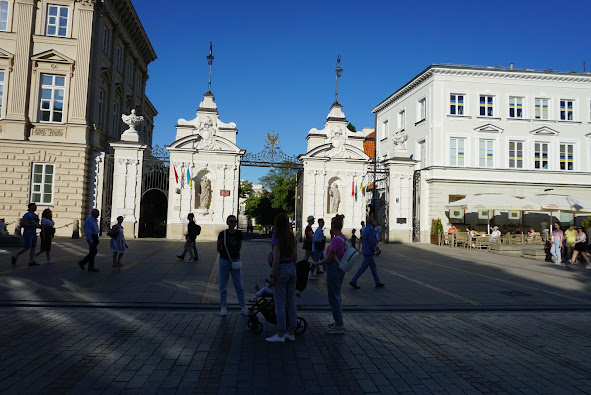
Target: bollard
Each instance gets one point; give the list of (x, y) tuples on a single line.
[(76, 230)]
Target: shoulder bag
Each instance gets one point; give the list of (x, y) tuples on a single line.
[(237, 264)]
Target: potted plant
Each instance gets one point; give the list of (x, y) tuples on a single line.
[(436, 231)]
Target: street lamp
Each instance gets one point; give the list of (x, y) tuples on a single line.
[(339, 72), (209, 62)]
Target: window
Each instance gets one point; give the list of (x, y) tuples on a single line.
[(57, 20), (106, 41), (456, 151), (2, 72), (422, 153), (52, 97), (42, 183), (566, 110), (128, 76), (402, 120), (456, 104), (4, 15), (486, 106), (516, 107), (485, 153), (516, 154), (137, 84), (101, 105), (566, 157), (541, 155), (541, 109), (115, 120), (384, 130), (118, 59), (422, 109)]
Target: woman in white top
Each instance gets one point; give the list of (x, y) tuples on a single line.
[(47, 232), (117, 245), (580, 247)]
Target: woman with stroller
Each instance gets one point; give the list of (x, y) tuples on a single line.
[(283, 280), (335, 275)]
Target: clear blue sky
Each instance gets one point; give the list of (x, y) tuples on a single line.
[(274, 61)]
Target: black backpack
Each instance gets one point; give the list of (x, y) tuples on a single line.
[(198, 230)]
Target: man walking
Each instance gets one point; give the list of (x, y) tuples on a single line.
[(91, 230), (318, 243), (368, 249), (29, 223), (309, 235)]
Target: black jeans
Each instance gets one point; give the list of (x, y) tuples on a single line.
[(92, 251)]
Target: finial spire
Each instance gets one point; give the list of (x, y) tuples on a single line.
[(338, 71), (209, 62)]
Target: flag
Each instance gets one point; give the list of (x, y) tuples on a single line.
[(361, 186), (189, 181), (352, 188), (176, 176)]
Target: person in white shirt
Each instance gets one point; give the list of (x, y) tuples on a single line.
[(496, 234)]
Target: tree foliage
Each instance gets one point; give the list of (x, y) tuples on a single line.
[(244, 189), (351, 127)]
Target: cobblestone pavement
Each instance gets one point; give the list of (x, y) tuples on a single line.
[(448, 321)]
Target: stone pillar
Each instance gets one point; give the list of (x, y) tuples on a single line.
[(97, 180), (79, 89), (401, 198), (19, 97)]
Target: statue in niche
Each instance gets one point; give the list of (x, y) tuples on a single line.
[(334, 198), (205, 193)]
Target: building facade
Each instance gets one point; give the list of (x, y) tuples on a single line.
[(68, 70), (488, 129)]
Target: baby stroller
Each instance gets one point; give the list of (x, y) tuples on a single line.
[(266, 306)]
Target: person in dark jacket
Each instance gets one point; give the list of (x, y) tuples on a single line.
[(368, 248), (192, 232)]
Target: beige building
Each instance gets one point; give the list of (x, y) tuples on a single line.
[(68, 70)]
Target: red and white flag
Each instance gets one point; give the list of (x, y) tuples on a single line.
[(176, 176), (352, 188)]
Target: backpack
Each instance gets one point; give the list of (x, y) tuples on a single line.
[(198, 230), (350, 257)]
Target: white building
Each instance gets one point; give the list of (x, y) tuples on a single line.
[(489, 129)]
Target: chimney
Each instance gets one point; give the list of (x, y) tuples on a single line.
[(511, 66)]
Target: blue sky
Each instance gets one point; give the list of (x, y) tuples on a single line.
[(274, 61)]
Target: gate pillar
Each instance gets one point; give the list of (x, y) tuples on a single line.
[(127, 176)]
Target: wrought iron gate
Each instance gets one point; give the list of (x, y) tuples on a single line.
[(378, 200), (416, 206), (154, 201), (107, 198)]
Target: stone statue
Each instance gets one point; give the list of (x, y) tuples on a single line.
[(132, 121), (335, 198), (399, 140), (205, 196)]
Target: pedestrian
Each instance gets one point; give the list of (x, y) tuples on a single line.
[(192, 231), (182, 256), (91, 230), (283, 280), (544, 231), (360, 233), (368, 250), (47, 232), (117, 245), (378, 230), (3, 227), (318, 244), (29, 223), (229, 246), (580, 248), (308, 236), (570, 235), (557, 236), (354, 239), (335, 276)]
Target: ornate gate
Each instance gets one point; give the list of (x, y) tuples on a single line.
[(107, 198), (378, 199), (416, 206), (154, 198)]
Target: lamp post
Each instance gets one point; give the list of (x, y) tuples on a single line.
[(209, 62), (339, 72)]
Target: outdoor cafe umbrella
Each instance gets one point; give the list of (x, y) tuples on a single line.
[(553, 202), (494, 201)]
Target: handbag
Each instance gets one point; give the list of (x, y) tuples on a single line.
[(237, 264), (307, 245)]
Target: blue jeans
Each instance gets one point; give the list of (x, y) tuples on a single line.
[(555, 250), (334, 280), (225, 270), (194, 251), (368, 260), (317, 257), (284, 296)]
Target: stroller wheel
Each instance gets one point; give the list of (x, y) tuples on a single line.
[(301, 326), (255, 325)]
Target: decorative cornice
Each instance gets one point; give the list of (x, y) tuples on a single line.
[(86, 4)]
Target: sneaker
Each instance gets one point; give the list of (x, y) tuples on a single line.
[(33, 263), (354, 285), (335, 330), (224, 312), (289, 337), (253, 299), (50, 262), (190, 260), (13, 260), (94, 270), (380, 285), (313, 277), (588, 267), (244, 310), (319, 272), (181, 257), (81, 266), (276, 339), (558, 263)]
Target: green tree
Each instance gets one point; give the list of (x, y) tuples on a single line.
[(281, 182), (244, 189), (261, 209), (351, 127)]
